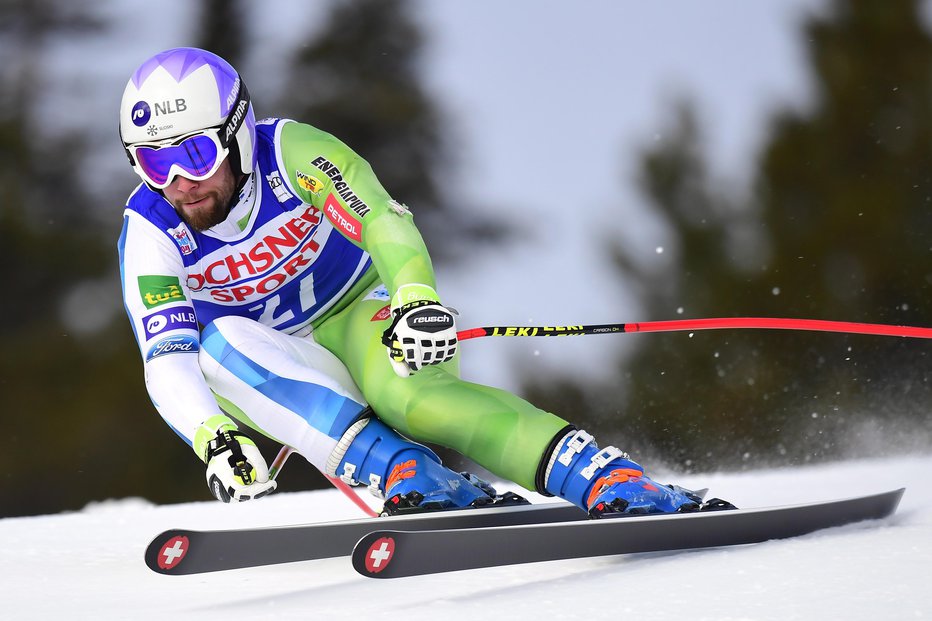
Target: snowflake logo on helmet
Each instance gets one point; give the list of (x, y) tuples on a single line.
[(151, 130)]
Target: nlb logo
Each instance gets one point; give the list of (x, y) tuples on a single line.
[(141, 113), (155, 324), (175, 318), (165, 107)]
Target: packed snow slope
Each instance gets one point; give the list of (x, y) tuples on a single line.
[(89, 564)]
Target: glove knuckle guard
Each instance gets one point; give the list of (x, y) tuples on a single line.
[(218, 490), (236, 471), (422, 333)]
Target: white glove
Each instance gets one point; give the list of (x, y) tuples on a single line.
[(422, 333), (236, 470)]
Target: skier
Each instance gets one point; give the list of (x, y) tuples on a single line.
[(271, 281)]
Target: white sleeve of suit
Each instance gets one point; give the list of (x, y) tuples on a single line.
[(158, 303)]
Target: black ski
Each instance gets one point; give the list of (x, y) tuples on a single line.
[(179, 552), (392, 554)]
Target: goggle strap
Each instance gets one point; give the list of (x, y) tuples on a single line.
[(237, 116), (132, 162)]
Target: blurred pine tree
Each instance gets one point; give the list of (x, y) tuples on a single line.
[(71, 408), (360, 80), (79, 424), (837, 227)]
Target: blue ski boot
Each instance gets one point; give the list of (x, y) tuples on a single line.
[(408, 475), (606, 481)]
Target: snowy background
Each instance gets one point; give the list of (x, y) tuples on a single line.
[(89, 565)]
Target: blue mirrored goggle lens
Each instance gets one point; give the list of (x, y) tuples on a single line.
[(195, 155)]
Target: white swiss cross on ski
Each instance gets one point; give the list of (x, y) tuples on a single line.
[(380, 554), (172, 552)]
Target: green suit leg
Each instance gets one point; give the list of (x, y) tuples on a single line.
[(501, 432)]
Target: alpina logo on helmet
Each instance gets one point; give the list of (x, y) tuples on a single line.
[(234, 91), (141, 114), (235, 119)]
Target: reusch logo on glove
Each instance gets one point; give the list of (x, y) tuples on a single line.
[(430, 321)]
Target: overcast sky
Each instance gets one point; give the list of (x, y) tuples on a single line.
[(555, 99)]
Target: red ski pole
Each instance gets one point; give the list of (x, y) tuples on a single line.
[(677, 325), (687, 325), (282, 457)]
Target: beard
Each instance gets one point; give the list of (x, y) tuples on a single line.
[(211, 209)]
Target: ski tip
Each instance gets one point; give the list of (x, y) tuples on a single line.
[(883, 504), (896, 496)]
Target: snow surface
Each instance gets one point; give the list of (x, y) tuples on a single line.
[(89, 564)]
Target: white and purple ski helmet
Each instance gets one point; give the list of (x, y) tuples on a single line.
[(184, 90)]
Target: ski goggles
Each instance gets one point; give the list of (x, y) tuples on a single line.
[(195, 156)]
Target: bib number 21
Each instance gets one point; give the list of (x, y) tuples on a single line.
[(272, 313)]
